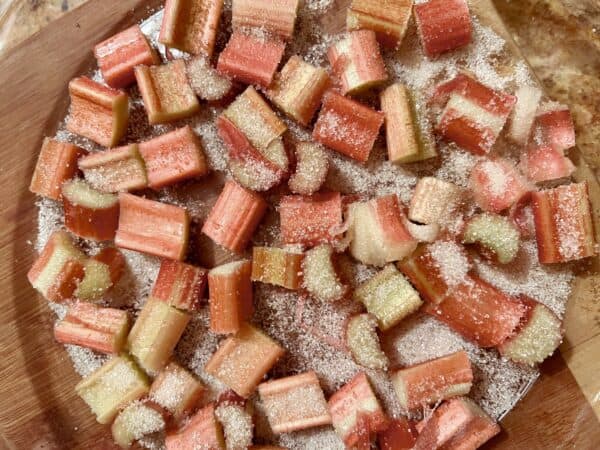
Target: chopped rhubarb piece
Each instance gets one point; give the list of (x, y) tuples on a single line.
[(432, 200), (173, 157), (97, 112), (479, 312), (429, 382), (523, 115), (277, 266), (399, 435), (102, 271), (457, 424), (180, 285), (389, 297), (136, 420), (495, 235), (100, 329), (205, 81), (191, 25), (312, 166), (357, 62), (58, 269), (238, 425), (536, 338), (521, 215), (202, 431), (356, 413), (56, 164), (564, 228), (89, 213), (234, 217), (554, 126), (389, 20), (251, 58), (155, 334), (114, 170), (112, 386), (152, 227), (230, 290), (176, 390), (242, 360), (545, 163), (310, 220), (443, 25), (347, 126), (275, 16), (166, 92), (297, 90), (363, 342), (118, 55), (377, 232), (474, 115), (406, 140), (294, 403), (319, 275), (496, 184)]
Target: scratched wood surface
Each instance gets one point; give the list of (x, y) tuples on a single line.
[(38, 408)]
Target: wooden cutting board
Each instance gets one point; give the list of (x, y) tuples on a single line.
[(38, 407)]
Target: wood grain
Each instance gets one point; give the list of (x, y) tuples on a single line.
[(38, 408)]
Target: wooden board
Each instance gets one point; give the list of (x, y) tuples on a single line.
[(38, 408)]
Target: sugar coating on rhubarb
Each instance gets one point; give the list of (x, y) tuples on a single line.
[(238, 427), (136, 421), (451, 260)]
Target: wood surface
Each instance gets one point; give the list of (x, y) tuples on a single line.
[(38, 407)]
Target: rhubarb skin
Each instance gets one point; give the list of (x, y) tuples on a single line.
[(97, 112), (166, 92), (191, 25), (173, 157), (58, 270), (564, 228), (443, 25), (310, 221), (102, 271), (277, 266), (399, 435), (152, 227), (176, 390), (242, 360), (180, 285), (276, 16), (234, 217), (100, 329), (202, 431), (347, 126), (545, 163), (118, 55), (554, 126), (57, 163), (251, 58), (388, 19)]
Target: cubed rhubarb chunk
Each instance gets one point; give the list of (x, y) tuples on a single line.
[(102, 271), (432, 200), (564, 228), (347, 126), (443, 25), (554, 126), (251, 58), (297, 90), (310, 220), (136, 420), (356, 413), (363, 342), (89, 213), (238, 424), (494, 234), (277, 266), (399, 435), (176, 390), (294, 403), (357, 63), (166, 92), (119, 54), (191, 25), (112, 386), (242, 360), (496, 184), (536, 338), (319, 275), (180, 285), (234, 217), (389, 297), (230, 290), (152, 227), (205, 81), (377, 232), (57, 163), (275, 16), (407, 141), (312, 165), (202, 431), (524, 113), (97, 112), (100, 329), (155, 334), (545, 163), (389, 19), (59, 268)]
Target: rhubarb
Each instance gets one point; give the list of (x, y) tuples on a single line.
[(205, 81), (176, 390), (545, 163), (180, 285), (277, 266), (320, 277), (276, 16), (136, 420), (432, 200), (238, 424), (102, 271), (493, 234), (399, 435), (312, 166), (443, 25), (202, 431), (389, 20), (363, 342), (523, 115), (554, 126)]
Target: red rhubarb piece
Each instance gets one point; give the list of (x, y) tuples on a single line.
[(180, 285), (202, 431), (443, 25), (276, 16), (399, 435), (389, 20), (545, 163), (554, 126)]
